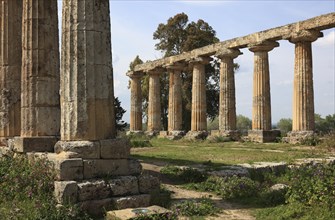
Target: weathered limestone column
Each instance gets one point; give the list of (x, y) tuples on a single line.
[(87, 93), (136, 103), (40, 111), (303, 93), (261, 107), (175, 100), (154, 105), (199, 106), (227, 108), (10, 68)]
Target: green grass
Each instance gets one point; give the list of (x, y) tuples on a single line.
[(228, 153)]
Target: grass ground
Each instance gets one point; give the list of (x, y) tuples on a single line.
[(227, 153)]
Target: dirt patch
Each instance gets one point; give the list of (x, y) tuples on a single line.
[(229, 211)]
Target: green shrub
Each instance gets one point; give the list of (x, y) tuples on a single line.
[(188, 175), (239, 187), (212, 184), (273, 197), (313, 184), (201, 207), (27, 191)]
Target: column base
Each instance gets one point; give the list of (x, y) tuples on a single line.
[(298, 137), (234, 135), (263, 136), (118, 148), (172, 135), (196, 135), (34, 144)]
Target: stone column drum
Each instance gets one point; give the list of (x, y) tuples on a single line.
[(199, 105), (87, 93), (136, 103), (40, 112), (154, 105), (227, 108), (303, 93), (10, 68), (175, 100), (261, 107)]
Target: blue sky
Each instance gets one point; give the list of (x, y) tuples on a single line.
[(133, 24)]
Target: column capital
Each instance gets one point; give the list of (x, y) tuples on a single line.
[(155, 71), (229, 53), (263, 46), (304, 35), (134, 74), (199, 60), (175, 66)]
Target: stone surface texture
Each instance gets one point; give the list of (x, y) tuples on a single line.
[(136, 103), (154, 105), (199, 106), (40, 110), (10, 68), (87, 93), (130, 213), (175, 98), (227, 108), (261, 104)]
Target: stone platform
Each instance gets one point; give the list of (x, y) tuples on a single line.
[(296, 137), (234, 135), (99, 175), (263, 136)]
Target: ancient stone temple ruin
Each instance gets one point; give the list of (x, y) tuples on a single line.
[(301, 34), (64, 111)]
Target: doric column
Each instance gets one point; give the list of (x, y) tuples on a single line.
[(303, 97), (303, 93), (227, 107), (154, 105), (175, 97), (199, 108), (40, 111), (261, 105), (135, 103), (10, 68), (87, 93)]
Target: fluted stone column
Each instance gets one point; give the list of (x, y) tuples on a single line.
[(175, 100), (261, 107), (87, 93), (303, 93), (154, 105), (227, 105), (136, 103), (40, 112), (199, 105), (10, 68)]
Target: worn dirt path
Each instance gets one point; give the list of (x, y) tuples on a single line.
[(229, 211)]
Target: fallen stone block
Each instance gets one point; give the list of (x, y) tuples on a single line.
[(148, 183), (97, 207), (66, 191), (132, 213)]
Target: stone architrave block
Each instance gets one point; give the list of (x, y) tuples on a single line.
[(66, 191), (96, 189), (119, 167), (118, 148), (96, 207), (135, 201), (148, 183), (34, 144), (81, 149), (124, 185)]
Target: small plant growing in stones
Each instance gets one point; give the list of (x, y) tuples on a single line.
[(201, 207)]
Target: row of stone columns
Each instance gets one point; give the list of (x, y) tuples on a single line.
[(303, 101), (38, 101)]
